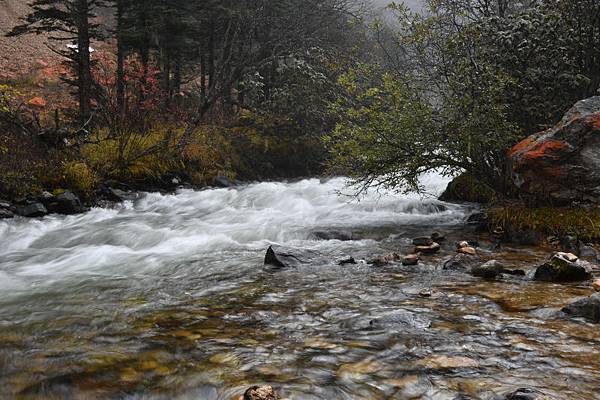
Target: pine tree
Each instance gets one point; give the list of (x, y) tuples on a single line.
[(67, 21)]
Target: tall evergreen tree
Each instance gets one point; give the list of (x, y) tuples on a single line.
[(67, 21)]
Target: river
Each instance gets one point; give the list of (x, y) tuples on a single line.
[(167, 298)]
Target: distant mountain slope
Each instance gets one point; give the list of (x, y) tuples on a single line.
[(19, 55)]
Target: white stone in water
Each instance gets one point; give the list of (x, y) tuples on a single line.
[(570, 257)]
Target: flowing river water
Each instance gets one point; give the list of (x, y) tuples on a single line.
[(168, 298)]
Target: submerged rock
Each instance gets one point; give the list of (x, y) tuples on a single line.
[(431, 249), (562, 164), (423, 241), (588, 308), (438, 237), (333, 235), (461, 262), (6, 210), (290, 257), (525, 394), (260, 393), (32, 210), (488, 270), (346, 261), (380, 261), (467, 250), (563, 267), (400, 319), (411, 259)]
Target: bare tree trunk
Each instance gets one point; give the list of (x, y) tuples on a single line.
[(120, 61), (83, 61)]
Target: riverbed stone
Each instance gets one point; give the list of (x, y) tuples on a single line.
[(66, 203), (260, 393), (411, 259), (423, 241), (438, 237), (588, 308), (34, 210), (431, 249), (6, 210), (596, 285), (488, 270), (563, 267), (526, 394), (291, 257), (462, 244), (386, 259), (461, 262), (467, 250)]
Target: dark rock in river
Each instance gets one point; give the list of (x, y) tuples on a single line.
[(346, 261), (438, 237), (489, 270), (588, 308), (411, 259), (563, 267), (423, 241), (117, 195), (562, 164), (333, 235), (6, 210), (32, 210), (525, 394), (290, 257), (461, 262), (66, 203), (431, 249)]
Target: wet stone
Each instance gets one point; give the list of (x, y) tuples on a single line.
[(563, 267), (438, 237), (431, 249), (489, 270), (525, 394), (467, 250), (462, 262), (260, 393), (411, 259), (423, 241), (588, 308)]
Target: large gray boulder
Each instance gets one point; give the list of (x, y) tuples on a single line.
[(562, 164), (563, 267), (588, 308), (32, 210)]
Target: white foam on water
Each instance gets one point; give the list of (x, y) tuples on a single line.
[(161, 230)]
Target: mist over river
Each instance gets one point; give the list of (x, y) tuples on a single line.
[(167, 298)]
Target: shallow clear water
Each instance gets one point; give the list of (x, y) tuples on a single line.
[(168, 298)]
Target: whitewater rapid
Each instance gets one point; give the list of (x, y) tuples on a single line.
[(159, 232)]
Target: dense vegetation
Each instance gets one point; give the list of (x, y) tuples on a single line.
[(458, 86), (261, 89), (188, 88)]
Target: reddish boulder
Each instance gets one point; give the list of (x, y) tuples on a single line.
[(562, 164)]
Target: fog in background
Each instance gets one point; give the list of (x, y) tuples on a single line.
[(413, 4)]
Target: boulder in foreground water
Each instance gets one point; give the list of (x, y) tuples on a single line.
[(563, 267), (588, 308), (260, 393), (411, 259), (488, 270), (291, 257), (461, 262), (526, 394)]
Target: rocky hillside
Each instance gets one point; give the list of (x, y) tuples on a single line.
[(20, 55)]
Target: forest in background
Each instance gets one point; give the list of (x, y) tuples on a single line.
[(155, 90)]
